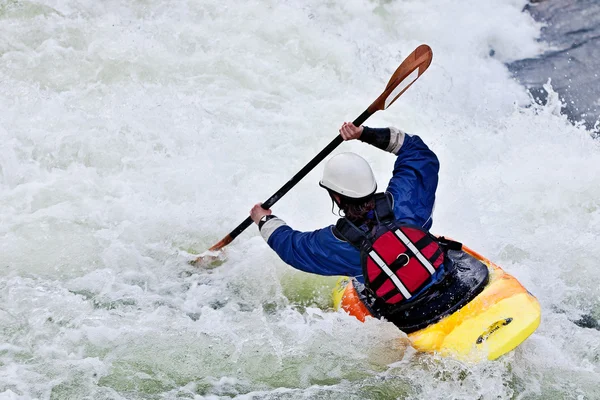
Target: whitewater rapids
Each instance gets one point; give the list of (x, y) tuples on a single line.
[(134, 134)]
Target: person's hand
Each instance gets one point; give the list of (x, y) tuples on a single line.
[(258, 212), (349, 131)]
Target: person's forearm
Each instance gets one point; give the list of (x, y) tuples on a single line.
[(269, 226), (387, 139)]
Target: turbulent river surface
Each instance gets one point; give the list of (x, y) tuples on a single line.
[(572, 33), (134, 134)]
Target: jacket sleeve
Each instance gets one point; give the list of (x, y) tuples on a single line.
[(317, 252), (414, 182), (415, 175)]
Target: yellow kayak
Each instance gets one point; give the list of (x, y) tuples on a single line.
[(496, 321)]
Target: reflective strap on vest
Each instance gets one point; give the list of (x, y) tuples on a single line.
[(415, 251), (399, 285)]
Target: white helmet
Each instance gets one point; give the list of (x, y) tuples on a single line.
[(349, 175)]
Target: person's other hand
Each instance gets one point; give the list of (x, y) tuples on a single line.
[(258, 212), (350, 132)]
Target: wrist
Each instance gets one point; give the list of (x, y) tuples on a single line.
[(361, 130), (264, 219), (365, 133)]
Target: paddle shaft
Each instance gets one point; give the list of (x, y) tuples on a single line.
[(301, 174), (405, 75)]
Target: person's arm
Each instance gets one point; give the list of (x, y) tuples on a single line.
[(318, 252), (415, 175), (387, 139)]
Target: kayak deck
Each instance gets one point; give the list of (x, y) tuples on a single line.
[(496, 321)]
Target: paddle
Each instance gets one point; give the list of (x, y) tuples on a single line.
[(407, 73)]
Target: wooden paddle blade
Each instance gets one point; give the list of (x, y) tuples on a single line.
[(407, 73), (212, 255), (222, 243), (209, 260)]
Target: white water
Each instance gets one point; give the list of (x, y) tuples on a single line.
[(135, 133)]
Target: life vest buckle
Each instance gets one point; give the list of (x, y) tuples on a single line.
[(401, 261)]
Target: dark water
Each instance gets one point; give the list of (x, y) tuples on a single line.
[(573, 62)]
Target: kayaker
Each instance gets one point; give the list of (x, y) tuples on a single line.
[(374, 225)]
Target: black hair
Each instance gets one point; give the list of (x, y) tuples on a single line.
[(355, 210)]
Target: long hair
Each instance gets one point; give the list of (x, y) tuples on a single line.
[(357, 212)]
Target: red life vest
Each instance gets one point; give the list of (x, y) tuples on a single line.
[(398, 260)]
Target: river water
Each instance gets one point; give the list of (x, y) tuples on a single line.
[(134, 134), (571, 32)]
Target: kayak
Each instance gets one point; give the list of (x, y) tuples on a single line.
[(494, 322)]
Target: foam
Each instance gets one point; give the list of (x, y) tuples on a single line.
[(132, 135)]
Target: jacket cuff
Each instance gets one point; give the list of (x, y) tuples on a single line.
[(267, 229), (396, 140)]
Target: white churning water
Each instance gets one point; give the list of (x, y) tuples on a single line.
[(134, 133)]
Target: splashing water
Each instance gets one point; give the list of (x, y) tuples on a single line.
[(133, 134)]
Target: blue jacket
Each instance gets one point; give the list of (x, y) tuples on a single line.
[(413, 186)]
